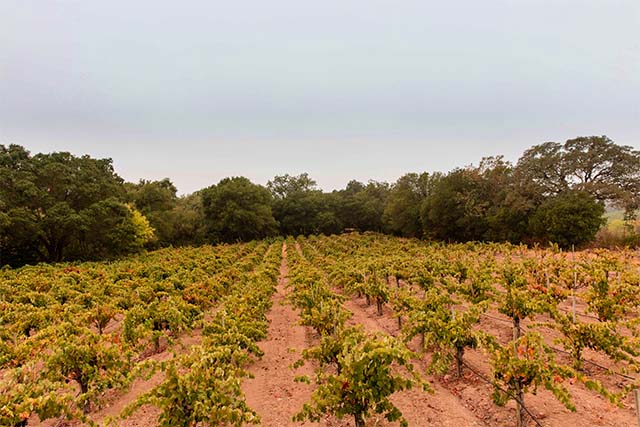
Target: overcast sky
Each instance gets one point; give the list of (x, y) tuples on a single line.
[(199, 90)]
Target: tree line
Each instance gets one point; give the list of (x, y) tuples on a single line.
[(57, 207)]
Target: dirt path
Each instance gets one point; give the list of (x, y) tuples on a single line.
[(272, 393)]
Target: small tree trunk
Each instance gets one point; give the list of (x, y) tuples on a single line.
[(379, 303), (577, 359), (359, 420), (516, 328), (84, 388), (520, 412), (100, 326), (399, 322), (368, 300)]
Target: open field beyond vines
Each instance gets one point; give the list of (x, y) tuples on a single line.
[(355, 329)]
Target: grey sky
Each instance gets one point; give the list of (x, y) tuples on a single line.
[(200, 90)]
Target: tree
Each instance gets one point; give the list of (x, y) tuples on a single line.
[(300, 207), (283, 186), (477, 203), (402, 212), (157, 201), (456, 207), (361, 207), (43, 200), (543, 169), (188, 217), (510, 204), (237, 209), (570, 218), (108, 229), (594, 164)]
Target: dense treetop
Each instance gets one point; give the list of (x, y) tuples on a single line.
[(58, 206)]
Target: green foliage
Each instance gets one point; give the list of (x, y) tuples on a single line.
[(237, 210), (93, 362), (521, 300), (456, 208), (361, 207), (300, 208), (110, 228), (369, 370), (523, 366), (446, 332), (207, 394), (51, 206), (402, 212), (478, 203), (599, 336), (594, 164), (325, 317), (23, 393), (175, 220), (143, 232), (571, 218), (161, 318), (609, 299)]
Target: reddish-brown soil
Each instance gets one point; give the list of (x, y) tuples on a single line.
[(473, 394), (274, 395), (419, 408)]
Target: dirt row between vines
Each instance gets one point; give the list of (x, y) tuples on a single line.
[(274, 395), (474, 394), (442, 408), (117, 401)]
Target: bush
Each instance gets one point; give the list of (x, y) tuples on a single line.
[(571, 218)]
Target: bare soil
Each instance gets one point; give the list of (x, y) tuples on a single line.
[(276, 397), (473, 394), (272, 393)]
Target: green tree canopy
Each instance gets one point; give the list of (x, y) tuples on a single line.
[(595, 164), (456, 208), (362, 206), (157, 201), (45, 200), (300, 207), (237, 209), (402, 212), (478, 203), (570, 218)]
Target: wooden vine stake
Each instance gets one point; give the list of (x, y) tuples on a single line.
[(635, 393), (397, 292), (520, 412)]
